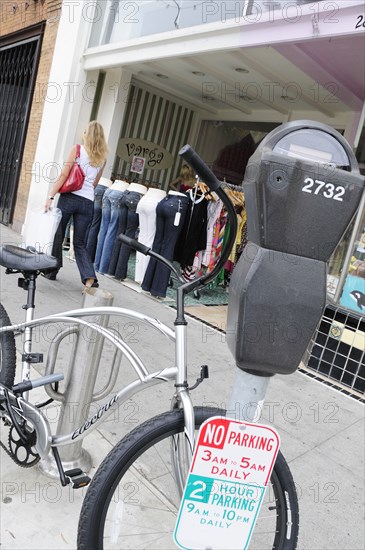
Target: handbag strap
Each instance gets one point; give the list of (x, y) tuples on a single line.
[(77, 151)]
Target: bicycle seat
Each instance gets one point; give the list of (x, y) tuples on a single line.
[(25, 259)]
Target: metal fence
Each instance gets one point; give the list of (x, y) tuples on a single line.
[(337, 351)]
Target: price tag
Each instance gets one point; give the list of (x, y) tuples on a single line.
[(230, 470), (177, 218)]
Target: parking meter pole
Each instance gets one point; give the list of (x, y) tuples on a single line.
[(75, 409), (247, 397)]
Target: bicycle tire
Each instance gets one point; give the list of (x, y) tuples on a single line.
[(7, 351), (120, 466)]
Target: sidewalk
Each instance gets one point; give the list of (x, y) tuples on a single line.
[(321, 430)]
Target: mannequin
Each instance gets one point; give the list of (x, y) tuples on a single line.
[(120, 185), (146, 210), (138, 188), (92, 237), (170, 216), (110, 221), (177, 193), (128, 226)]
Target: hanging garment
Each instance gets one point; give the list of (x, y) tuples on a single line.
[(214, 212), (193, 236)]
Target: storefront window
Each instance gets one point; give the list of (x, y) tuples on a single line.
[(122, 20), (353, 294)]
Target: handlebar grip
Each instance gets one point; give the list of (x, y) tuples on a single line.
[(188, 154), (139, 247)]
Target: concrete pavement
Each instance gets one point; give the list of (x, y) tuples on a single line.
[(321, 430)]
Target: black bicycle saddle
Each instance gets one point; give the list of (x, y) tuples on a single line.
[(25, 259)]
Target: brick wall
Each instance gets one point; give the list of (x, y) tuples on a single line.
[(16, 16)]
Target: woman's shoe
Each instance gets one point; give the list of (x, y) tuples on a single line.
[(94, 284)]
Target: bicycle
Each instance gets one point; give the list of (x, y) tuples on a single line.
[(155, 456)]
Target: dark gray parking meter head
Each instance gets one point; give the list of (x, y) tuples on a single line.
[(302, 188)]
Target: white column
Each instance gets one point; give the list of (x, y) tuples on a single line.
[(113, 105), (64, 96), (354, 127)]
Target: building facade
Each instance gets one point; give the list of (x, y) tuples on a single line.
[(27, 39)]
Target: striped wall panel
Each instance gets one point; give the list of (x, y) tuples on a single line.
[(159, 120)]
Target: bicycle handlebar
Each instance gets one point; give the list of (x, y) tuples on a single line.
[(206, 175), (199, 166), (136, 245)]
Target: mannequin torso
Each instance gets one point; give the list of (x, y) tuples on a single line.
[(105, 182), (138, 188), (155, 193), (120, 185), (177, 193)]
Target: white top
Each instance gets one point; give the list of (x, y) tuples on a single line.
[(87, 190), (177, 193), (138, 188), (119, 185)]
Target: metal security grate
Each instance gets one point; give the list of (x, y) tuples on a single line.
[(17, 63), (337, 350)]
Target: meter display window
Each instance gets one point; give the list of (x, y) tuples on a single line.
[(315, 146)]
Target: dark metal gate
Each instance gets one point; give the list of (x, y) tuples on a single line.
[(18, 66)]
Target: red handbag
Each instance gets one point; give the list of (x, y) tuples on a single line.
[(76, 177)]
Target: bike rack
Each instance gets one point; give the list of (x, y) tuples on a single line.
[(80, 382)]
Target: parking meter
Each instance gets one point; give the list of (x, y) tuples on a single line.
[(302, 187)]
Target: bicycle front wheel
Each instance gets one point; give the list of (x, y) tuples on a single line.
[(132, 501), (7, 351)]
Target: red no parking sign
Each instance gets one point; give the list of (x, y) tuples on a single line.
[(231, 467)]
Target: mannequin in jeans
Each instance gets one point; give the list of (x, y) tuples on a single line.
[(170, 216), (92, 237), (111, 215), (120, 254), (146, 210)]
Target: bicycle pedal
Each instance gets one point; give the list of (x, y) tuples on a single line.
[(77, 478)]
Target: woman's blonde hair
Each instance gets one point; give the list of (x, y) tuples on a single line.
[(95, 144), (187, 173)]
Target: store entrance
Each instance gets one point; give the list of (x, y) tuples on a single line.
[(18, 67)]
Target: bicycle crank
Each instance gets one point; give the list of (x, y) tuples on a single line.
[(22, 453)]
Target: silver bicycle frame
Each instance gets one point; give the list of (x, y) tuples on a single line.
[(178, 373)]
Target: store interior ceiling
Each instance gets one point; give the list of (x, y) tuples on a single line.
[(323, 76)]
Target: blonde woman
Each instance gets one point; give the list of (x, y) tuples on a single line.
[(80, 204)]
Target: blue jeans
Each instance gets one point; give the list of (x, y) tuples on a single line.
[(111, 219), (92, 237), (81, 210), (120, 254), (157, 275)]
